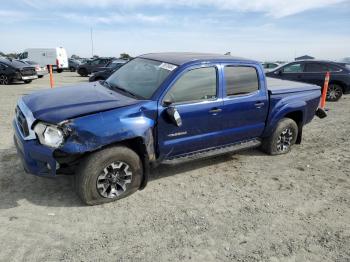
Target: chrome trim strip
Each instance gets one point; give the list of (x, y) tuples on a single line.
[(29, 117)]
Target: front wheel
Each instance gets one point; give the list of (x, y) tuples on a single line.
[(82, 72), (334, 92), (282, 139), (59, 70), (109, 175), (4, 80)]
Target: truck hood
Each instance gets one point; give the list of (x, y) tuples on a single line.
[(58, 104)]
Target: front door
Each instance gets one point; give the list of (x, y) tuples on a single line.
[(292, 72), (196, 96)]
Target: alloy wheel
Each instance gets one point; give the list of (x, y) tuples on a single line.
[(113, 180), (284, 141), (334, 92), (4, 80)]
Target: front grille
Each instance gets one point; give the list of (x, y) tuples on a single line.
[(22, 122), (28, 71)]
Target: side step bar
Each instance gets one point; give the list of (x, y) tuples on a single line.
[(213, 152)]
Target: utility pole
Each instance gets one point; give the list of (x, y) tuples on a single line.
[(92, 43)]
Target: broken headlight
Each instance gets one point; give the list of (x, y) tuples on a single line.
[(49, 135)]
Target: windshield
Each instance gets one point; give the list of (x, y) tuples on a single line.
[(141, 77)]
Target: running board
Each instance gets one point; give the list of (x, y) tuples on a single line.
[(213, 152)]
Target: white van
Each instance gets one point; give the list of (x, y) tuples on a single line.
[(57, 57)]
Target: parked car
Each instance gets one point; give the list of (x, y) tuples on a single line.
[(107, 71), (73, 64), (158, 108), (269, 66), (57, 57), (92, 65), (40, 70), (313, 72), (13, 70)]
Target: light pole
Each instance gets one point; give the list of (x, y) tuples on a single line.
[(92, 43)]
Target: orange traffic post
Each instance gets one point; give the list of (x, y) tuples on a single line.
[(325, 89), (51, 76)]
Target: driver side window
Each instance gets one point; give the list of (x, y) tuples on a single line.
[(294, 68), (194, 85)]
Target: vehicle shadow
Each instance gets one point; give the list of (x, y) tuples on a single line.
[(17, 186)]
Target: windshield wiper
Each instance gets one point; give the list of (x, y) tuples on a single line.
[(115, 87)]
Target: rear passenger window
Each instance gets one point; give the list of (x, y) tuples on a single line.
[(195, 85), (333, 68), (241, 80)]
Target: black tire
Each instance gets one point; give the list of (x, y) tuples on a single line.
[(82, 72), (4, 80), (282, 139), (59, 70), (72, 69), (40, 76), (27, 81), (94, 166), (334, 92)]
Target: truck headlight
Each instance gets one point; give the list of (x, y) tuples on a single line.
[(49, 135)]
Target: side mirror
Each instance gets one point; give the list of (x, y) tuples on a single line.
[(174, 116), (278, 72)]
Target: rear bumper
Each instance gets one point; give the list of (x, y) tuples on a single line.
[(35, 157)]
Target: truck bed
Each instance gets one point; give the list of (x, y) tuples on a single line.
[(278, 86)]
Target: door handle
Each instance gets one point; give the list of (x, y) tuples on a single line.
[(215, 110), (259, 104)]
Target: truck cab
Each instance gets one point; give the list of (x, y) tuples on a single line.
[(158, 108)]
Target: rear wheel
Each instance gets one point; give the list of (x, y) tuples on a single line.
[(27, 81), (4, 80), (334, 92), (282, 139), (109, 175)]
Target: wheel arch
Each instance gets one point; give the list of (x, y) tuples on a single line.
[(340, 83), (298, 117)]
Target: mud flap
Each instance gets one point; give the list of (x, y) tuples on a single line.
[(321, 113)]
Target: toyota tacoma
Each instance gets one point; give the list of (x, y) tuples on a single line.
[(158, 108)]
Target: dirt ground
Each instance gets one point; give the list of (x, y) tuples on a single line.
[(241, 207)]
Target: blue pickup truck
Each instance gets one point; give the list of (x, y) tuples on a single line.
[(158, 108)]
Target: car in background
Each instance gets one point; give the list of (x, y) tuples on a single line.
[(106, 72), (346, 60), (57, 57), (314, 72), (93, 65), (40, 70), (268, 66), (73, 64), (14, 70)]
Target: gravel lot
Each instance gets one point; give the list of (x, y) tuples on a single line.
[(240, 207)]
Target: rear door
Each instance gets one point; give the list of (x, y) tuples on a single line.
[(314, 73), (245, 103), (196, 95)]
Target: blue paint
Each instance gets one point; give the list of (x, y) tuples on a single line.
[(96, 117)]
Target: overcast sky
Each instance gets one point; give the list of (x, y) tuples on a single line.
[(258, 29)]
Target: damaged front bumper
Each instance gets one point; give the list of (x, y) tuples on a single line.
[(36, 158)]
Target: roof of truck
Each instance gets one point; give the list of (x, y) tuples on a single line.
[(180, 58)]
